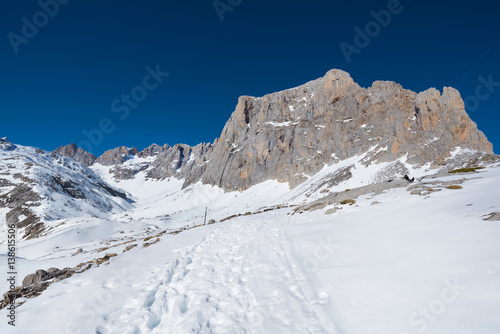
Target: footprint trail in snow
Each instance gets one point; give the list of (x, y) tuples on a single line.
[(224, 285)]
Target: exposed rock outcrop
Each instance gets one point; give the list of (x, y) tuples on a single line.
[(42, 275), (34, 284), (76, 153), (181, 161), (494, 216), (116, 156), (292, 134), (152, 150), (348, 197)]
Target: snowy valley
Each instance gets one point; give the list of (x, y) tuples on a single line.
[(298, 219), (393, 262)]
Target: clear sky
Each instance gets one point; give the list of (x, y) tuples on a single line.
[(82, 66)]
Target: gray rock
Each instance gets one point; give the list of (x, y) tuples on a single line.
[(116, 156), (78, 251), (38, 276), (129, 247), (332, 210), (67, 186), (494, 216), (341, 196), (292, 134), (288, 135), (282, 135), (427, 187), (181, 161), (127, 173), (152, 151), (76, 153)]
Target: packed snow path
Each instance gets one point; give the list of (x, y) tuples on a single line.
[(222, 284)]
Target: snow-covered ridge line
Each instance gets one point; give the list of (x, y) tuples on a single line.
[(39, 189)]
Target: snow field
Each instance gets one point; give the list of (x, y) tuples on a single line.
[(410, 264)]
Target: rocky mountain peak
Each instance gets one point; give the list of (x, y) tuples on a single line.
[(292, 134), (116, 156), (76, 153), (338, 82), (152, 150)]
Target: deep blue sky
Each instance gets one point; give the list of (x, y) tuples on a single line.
[(65, 78)]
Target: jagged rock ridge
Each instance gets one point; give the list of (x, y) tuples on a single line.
[(292, 134)]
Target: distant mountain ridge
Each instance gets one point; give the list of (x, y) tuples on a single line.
[(361, 135), (290, 135)]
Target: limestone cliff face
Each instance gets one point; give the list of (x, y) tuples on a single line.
[(291, 134), (181, 161)]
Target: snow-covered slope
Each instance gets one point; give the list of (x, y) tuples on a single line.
[(418, 257), (40, 190), (296, 220)]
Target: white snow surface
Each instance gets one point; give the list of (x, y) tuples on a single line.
[(55, 206), (410, 264)]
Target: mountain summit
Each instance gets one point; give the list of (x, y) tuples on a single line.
[(318, 188), (362, 135), (291, 135)]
